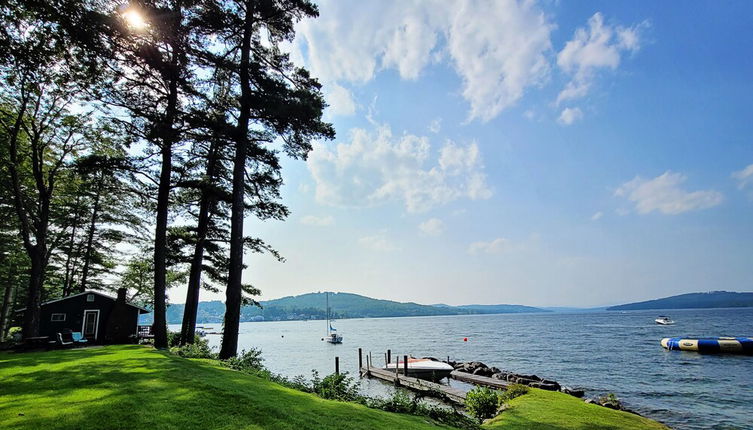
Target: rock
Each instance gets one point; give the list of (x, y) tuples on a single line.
[(573, 392), (551, 383), (495, 370), (611, 405), (591, 401), (500, 376), (483, 371), (545, 386)]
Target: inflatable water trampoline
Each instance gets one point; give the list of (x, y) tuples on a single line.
[(732, 345)]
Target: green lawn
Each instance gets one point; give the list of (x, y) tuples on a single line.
[(549, 410), (134, 387)]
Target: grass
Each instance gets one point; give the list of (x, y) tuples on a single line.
[(550, 410), (125, 387), (129, 387)]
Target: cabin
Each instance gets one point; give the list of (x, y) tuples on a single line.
[(100, 318)]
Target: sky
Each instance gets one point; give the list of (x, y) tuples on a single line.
[(542, 153)]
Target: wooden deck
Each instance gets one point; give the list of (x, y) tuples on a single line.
[(429, 388), (479, 380)]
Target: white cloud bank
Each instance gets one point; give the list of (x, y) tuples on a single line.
[(663, 194), (600, 46), (432, 227), (376, 167), (498, 48), (496, 246), (744, 177), (570, 115)]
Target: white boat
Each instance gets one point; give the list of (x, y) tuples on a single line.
[(423, 368), (332, 336), (664, 320)]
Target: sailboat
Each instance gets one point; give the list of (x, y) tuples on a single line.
[(332, 336)]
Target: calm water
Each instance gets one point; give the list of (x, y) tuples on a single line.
[(600, 352)]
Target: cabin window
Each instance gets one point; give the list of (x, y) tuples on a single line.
[(90, 297), (57, 317)]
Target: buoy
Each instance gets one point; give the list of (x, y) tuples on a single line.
[(465, 339)]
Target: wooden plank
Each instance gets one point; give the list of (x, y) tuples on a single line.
[(479, 380), (427, 387)]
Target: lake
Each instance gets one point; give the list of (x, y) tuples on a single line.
[(600, 352)]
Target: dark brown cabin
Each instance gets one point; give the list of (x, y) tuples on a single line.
[(99, 317)]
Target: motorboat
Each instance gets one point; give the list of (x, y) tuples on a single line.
[(664, 320), (424, 368), (334, 338)]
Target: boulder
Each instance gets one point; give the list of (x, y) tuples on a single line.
[(573, 392), (545, 386)]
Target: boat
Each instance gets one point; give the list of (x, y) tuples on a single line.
[(731, 345), (332, 336), (424, 368), (664, 320)]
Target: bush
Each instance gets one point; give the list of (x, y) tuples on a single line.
[(247, 361), (513, 391), (336, 387), (198, 349), (401, 402), (482, 403)]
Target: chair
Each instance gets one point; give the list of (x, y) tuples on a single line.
[(78, 337), (62, 342)]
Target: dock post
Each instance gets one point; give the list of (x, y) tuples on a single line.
[(385, 359), (360, 360), (405, 365), (389, 356), (337, 365)]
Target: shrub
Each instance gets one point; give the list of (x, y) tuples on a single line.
[(247, 361), (198, 349), (336, 387), (513, 391), (482, 403)]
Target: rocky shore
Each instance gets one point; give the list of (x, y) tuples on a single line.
[(481, 369)]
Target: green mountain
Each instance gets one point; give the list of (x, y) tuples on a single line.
[(342, 305), (712, 299)]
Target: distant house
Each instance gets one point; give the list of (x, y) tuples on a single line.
[(99, 317)]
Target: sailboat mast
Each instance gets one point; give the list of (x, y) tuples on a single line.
[(327, 295)]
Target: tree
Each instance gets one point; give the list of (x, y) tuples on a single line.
[(274, 102)]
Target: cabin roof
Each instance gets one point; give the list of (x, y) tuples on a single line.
[(141, 310)]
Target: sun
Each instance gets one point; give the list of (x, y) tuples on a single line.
[(134, 19)]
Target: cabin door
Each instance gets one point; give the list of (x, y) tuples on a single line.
[(91, 324)]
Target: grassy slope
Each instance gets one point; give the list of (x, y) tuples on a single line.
[(547, 410), (124, 387), (137, 387)]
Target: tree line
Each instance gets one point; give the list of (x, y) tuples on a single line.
[(152, 125)]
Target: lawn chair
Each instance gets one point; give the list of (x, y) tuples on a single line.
[(62, 342), (78, 337)]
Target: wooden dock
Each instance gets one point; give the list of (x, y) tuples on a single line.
[(479, 380), (429, 388)]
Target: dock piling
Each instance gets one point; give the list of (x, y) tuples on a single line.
[(405, 365), (360, 359), (389, 356), (337, 365)]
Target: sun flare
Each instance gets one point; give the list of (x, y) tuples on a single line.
[(134, 19)]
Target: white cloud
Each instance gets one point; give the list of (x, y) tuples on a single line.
[(498, 48), (432, 227), (377, 167), (663, 194), (435, 125), (496, 246), (340, 100), (377, 242), (319, 221), (600, 46), (570, 115), (744, 177), (596, 216)]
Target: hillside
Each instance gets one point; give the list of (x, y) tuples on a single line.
[(342, 305), (712, 299)]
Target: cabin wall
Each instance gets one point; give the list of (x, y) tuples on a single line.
[(74, 308)]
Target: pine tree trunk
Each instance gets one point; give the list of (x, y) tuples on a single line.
[(90, 238), (206, 207), (233, 293), (34, 293), (7, 309), (160, 250)]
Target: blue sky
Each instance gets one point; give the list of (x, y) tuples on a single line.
[(542, 153)]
